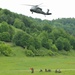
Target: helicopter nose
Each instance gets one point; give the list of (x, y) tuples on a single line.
[(31, 10)]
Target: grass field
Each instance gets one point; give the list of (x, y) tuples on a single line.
[(22, 65)]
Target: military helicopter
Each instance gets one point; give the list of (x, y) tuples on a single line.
[(37, 9)]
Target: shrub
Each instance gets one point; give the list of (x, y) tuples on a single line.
[(54, 48), (29, 53), (50, 53), (5, 50)]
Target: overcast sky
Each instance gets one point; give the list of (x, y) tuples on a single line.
[(58, 8)]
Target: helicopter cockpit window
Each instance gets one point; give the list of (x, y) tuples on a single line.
[(33, 8)]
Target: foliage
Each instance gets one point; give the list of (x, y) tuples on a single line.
[(47, 28), (50, 53), (72, 41), (19, 24), (63, 44), (5, 36), (17, 38), (54, 48), (6, 32), (4, 27), (22, 39), (67, 23), (5, 49), (29, 53), (37, 43)]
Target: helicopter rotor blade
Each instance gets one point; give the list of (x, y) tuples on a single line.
[(32, 5), (39, 4), (28, 5)]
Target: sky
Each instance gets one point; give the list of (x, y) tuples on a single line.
[(58, 8)]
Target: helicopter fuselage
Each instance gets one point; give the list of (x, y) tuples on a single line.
[(37, 9)]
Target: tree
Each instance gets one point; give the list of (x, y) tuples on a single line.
[(10, 19), (56, 33), (72, 41), (42, 35), (17, 38), (3, 17), (59, 43), (67, 45), (63, 44), (37, 43), (26, 40), (47, 28), (5, 36), (22, 39), (46, 43), (26, 21), (11, 32), (4, 27), (19, 24)]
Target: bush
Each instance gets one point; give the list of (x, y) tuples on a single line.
[(50, 53), (5, 36), (63, 52), (42, 52), (54, 48), (32, 48), (29, 53), (5, 50)]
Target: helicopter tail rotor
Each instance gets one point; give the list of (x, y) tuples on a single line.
[(47, 10)]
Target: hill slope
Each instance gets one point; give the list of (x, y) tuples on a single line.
[(67, 23), (36, 36)]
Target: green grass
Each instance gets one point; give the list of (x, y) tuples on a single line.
[(22, 65), (19, 64)]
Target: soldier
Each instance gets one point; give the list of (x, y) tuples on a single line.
[(49, 70), (46, 70), (41, 70), (32, 70), (57, 71)]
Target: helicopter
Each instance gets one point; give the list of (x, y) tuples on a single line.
[(37, 9)]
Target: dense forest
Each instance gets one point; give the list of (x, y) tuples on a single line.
[(38, 37)]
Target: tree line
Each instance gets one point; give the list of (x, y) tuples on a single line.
[(36, 36)]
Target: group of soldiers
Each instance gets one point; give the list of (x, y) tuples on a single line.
[(46, 70)]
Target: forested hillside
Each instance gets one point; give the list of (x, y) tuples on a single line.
[(36, 36), (67, 23)]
